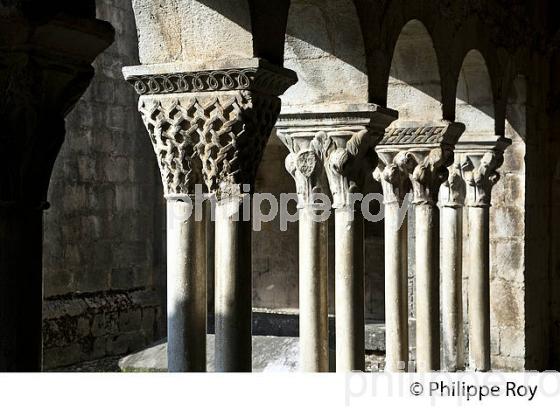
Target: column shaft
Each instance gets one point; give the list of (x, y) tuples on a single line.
[(451, 288), (313, 293), (21, 289), (349, 290), (232, 287), (427, 288), (396, 290), (186, 288), (479, 288)]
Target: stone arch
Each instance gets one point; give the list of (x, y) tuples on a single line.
[(474, 98), (324, 43), (414, 86)]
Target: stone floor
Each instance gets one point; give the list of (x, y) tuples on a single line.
[(270, 354)]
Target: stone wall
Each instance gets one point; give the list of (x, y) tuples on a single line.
[(102, 251)]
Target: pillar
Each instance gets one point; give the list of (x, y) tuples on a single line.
[(452, 197), (428, 149), (223, 116), (164, 116), (392, 172), (41, 78), (305, 165), (337, 142), (480, 177)]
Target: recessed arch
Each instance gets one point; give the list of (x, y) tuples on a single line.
[(474, 100), (414, 87), (324, 44)]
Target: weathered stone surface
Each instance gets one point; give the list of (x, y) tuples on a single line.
[(100, 233)]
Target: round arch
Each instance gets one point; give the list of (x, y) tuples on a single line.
[(474, 99), (414, 86), (324, 43)]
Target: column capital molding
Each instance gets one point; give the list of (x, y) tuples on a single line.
[(453, 189), (342, 137), (482, 160), (256, 75), (209, 122), (429, 150)]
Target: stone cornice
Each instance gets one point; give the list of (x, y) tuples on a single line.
[(424, 135), (229, 75)]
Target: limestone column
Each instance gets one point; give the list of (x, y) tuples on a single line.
[(392, 171), (305, 164), (228, 111), (165, 117), (480, 177), (42, 76), (452, 198), (346, 136), (430, 147)]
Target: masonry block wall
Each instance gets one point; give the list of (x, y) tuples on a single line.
[(102, 250)]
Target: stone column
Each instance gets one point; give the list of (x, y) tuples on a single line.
[(166, 117), (433, 156), (392, 171), (452, 198), (429, 150), (346, 135), (480, 177), (305, 164), (229, 110), (42, 76)]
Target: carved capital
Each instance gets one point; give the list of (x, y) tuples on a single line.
[(453, 189), (482, 156), (305, 163), (169, 121), (430, 173), (481, 176), (431, 146), (393, 173), (215, 123), (343, 138)]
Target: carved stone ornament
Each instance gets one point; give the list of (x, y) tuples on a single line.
[(481, 178), (481, 162), (215, 130), (341, 143), (431, 146), (453, 189), (393, 174)]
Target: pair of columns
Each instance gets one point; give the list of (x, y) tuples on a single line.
[(416, 159), (332, 151), (209, 127), (470, 182)]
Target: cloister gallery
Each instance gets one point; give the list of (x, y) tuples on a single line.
[(448, 109)]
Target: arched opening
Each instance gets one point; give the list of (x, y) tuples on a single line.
[(414, 88), (324, 46), (474, 102)]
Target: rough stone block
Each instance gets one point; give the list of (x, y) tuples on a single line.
[(130, 321)]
